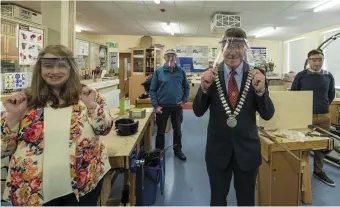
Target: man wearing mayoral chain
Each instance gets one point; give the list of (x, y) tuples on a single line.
[(233, 91)]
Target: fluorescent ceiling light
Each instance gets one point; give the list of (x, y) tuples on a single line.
[(292, 40), (157, 1), (332, 30), (265, 32), (326, 5), (169, 28)]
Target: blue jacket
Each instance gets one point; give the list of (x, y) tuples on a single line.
[(169, 87)]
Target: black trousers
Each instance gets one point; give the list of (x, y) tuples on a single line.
[(244, 184), (176, 115), (90, 199)]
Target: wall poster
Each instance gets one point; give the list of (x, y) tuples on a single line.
[(184, 51), (30, 44), (259, 55), (14, 81)]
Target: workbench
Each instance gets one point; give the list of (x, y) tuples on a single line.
[(146, 103), (282, 179), (120, 148)]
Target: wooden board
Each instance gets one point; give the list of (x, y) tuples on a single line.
[(293, 110), (123, 145), (310, 143), (135, 87)]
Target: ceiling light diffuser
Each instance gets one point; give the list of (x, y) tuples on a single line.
[(265, 32), (157, 1), (326, 5), (169, 28)]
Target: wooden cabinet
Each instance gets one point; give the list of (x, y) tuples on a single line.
[(153, 60), (138, 61), (9, 49)]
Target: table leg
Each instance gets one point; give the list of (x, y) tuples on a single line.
[(106, 189), (306, 190), (147, 137)]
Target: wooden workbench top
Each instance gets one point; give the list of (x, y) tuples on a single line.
[(336, 101), (122, 146), (308, 143)]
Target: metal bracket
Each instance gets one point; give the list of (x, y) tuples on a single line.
[(140, 164)]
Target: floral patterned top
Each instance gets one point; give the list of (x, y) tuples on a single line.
[(88, 160)]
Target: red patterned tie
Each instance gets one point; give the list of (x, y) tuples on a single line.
[(232, 89)]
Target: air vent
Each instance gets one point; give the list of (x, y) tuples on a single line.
[(220, 22)]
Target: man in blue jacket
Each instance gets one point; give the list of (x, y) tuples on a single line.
[(169, 90)]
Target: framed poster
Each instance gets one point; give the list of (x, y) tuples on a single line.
[(30, 44), (259, 55), (83, 48), (184, 51), (14, 81), (200, 52)]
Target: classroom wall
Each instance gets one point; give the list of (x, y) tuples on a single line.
[(314, 39), (126, 42)]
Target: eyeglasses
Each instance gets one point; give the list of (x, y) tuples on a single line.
[(316, 59)]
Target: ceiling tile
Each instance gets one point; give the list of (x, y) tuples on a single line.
[(129, 2), (194, 17), (219, 4), (104, 6), (188, 3), (134, 8)]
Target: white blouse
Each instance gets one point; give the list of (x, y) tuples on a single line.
[(56, 161)]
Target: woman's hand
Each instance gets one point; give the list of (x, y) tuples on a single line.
[(15, 106), (88, 97)]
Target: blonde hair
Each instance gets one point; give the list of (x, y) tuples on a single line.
[(39, 94)]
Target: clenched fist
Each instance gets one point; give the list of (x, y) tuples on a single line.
[(258, 81), (88, 97), (15, 106), (207, 78)]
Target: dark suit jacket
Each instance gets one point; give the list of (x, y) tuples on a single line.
[(243, 139)]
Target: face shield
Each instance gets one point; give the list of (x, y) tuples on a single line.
[(170, 59), (233, 52), (50, 63)]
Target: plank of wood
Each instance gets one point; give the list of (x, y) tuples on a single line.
[(306, 194), (313, 143), (135, 87), (293, 109)]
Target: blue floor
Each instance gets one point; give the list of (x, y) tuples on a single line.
[(187, 182)]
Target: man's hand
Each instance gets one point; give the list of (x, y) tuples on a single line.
[(180, 104), (207, 78), (158, 110), (258, 81)]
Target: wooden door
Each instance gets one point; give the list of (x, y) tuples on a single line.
[(3, 46), (12, 50), (123, 81)]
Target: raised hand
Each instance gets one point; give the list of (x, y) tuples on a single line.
[(15, 106), (207, 78), (88, 97), (258, 81)]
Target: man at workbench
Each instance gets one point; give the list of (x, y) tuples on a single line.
[(321, 82), (169, 90), (233, 92)]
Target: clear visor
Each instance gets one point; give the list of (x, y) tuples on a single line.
[(235, 48), (170, 56), (49, 63)]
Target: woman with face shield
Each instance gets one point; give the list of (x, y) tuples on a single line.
[(234, 92), (169, 90), (52, 133)]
